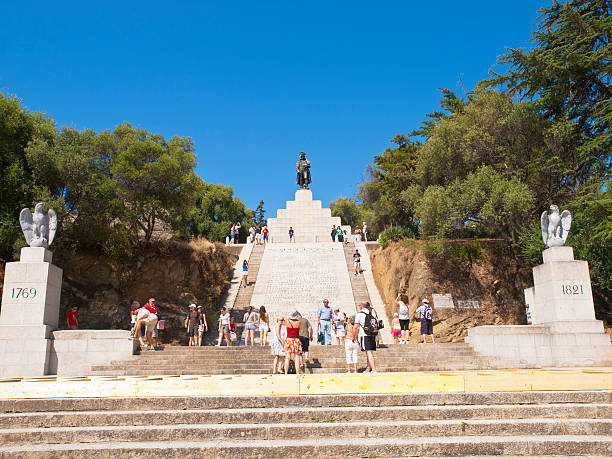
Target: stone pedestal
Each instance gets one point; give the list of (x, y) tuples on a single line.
[(30, 311), (564, 331), (310, 221)]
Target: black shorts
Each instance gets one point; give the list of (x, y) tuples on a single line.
[(426, 327), (305, 343), (368, 343), (404, 324), (193, 330)]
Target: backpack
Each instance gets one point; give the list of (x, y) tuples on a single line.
[(371, 325), (428, 313)]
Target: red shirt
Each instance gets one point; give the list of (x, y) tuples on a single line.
[(265, 232), (151, 308), (293, 332), (72, 318)]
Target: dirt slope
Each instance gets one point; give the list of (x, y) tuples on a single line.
[(484, 273), (174, 273)]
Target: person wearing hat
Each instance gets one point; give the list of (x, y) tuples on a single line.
[(292, 346), (192, 323), (426, 313), (368, 342), (203, 327)]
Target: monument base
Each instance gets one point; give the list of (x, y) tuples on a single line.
[(30, 311), (556, 344), (24, 350)]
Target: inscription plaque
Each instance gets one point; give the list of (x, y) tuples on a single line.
[(443, 301), (468, 304)]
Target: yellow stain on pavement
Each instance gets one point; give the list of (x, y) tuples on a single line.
[(254, 385), (381, 383)]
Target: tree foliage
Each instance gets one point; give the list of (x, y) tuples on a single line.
[(116, 190), (489, 164), (259, 216), (216, 209), (567, 73)]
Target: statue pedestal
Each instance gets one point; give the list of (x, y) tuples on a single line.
[(310, 221), (30, 312), (564, 331)]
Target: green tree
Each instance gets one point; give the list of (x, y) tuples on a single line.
[(215, 211), (18, 127), (567, 74), (152, 178), (348, 210), (259, 218), (484, 199)]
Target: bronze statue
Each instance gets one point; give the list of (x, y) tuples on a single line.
[(303, 171)]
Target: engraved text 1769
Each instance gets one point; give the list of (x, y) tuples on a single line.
[(23, 293)]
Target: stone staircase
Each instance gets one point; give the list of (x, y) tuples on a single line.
[(243, 299), (358, 284), (299, 276), (400, 425), (177, 360)]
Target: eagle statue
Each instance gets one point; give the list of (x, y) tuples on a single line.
[(39, 227), (555, 226)]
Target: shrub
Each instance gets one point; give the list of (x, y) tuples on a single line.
[(396, 234)]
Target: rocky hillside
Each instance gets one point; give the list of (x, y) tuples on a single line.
[(174, 273), (480, 271)]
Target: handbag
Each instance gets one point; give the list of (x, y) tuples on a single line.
[(161, 324), (380, 324), (233, 336)]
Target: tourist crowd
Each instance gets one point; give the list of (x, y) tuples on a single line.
[(259, 234)]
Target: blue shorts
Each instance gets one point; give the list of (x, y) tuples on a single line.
[(250, 326)]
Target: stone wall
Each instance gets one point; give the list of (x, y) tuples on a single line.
[(74, 352)]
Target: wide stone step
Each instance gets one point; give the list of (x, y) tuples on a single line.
[(160, 358), (335, 363), (400, 348), (325, 447), (601, 401), (283, 431), (113, 371), (327, 415)]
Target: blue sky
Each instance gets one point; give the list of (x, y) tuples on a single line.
[(255, 83)]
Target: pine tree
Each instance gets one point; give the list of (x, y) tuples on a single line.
[(259, 215)]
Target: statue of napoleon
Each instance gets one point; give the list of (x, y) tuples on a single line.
[(303, 172)]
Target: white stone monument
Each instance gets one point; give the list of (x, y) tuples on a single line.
[(310, 221), (29, 342), (563, 330), (30, 312)]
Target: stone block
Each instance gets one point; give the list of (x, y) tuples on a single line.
[(74, 352), (539, 346), (564, 253), (36, 254), (31, 294), (24, 358), (578, 326)]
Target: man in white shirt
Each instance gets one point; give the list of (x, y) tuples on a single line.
[(364, 232), (368, 342)]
